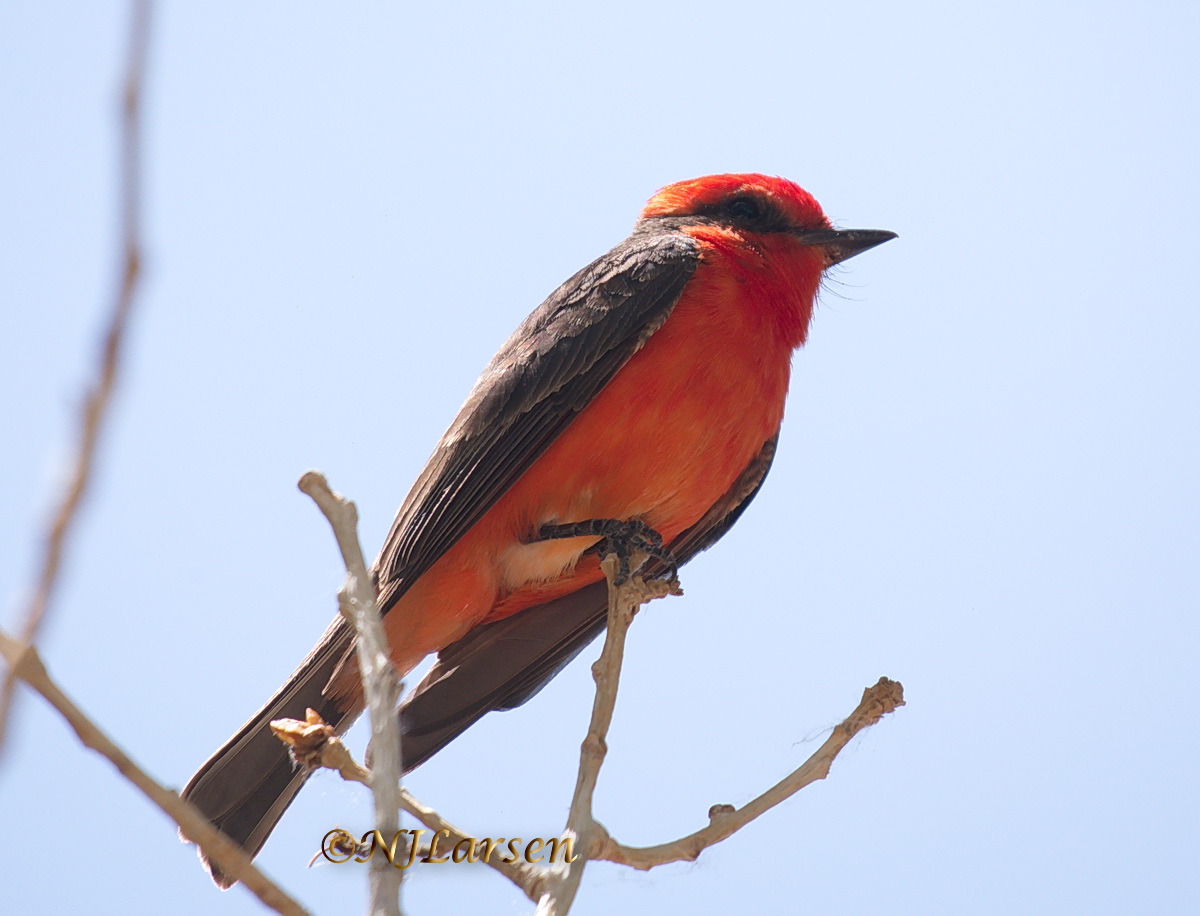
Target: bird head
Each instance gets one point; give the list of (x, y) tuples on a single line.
[(760, 205)]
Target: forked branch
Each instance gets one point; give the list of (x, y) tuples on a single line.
[(725, 820), (554, 887), (316, 745)]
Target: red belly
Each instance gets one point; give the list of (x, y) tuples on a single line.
[(661, 443)]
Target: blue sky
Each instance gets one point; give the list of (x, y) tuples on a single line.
[(986, 485)]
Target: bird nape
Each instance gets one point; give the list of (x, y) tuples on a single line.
[(644, 395)]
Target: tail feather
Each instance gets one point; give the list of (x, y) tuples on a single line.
[(497, 666), (245, 787)]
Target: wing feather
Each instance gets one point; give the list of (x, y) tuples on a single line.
[(503, 664), (547, 372)]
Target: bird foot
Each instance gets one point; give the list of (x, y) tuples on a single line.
[(622, 537)]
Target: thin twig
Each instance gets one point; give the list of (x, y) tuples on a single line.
[(623, 602), (592, 840), (95, 408), (725, 820), (381, 688), (554, 888), (27, 665), (315, 744), (529, 878)]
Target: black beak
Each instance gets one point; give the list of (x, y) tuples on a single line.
[(843, 244)]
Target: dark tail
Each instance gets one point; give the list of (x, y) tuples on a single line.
[(245, 787), (497, 666)]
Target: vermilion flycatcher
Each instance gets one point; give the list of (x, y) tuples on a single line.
[(642, 400)]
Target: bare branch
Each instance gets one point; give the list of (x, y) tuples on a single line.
[(554, 888), (27, 665), (315, 744), (725, 820), (95, 408), (381, 687), (623, 602), (593, 841), (529, 878)]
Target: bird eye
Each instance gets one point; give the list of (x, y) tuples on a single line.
[(743, 208)]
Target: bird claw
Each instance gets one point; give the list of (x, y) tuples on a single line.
[(621, 537)]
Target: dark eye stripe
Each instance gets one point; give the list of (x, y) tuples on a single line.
[(743, 208)]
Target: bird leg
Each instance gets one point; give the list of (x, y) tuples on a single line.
[(620, 536)]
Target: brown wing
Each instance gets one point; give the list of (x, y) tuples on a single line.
[(547, 372), (503, 664)]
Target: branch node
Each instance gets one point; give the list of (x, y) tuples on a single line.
[(595, 747), (306, 740), (878, 701), (725, 820), (314, 744), (716, 812)]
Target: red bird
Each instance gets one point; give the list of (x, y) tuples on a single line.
[(642, 400)]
